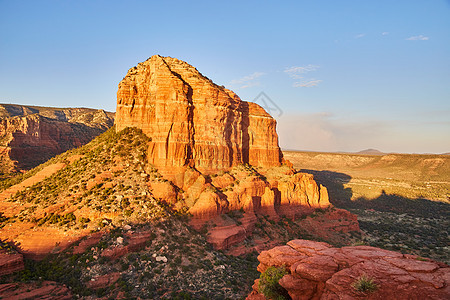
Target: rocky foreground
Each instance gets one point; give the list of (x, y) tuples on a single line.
[(316, 270)]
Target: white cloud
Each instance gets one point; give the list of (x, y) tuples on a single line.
[(385, 33), (418, 38), (248, 81), (300, 70), (307, 83), (250, 84), (360, 35), (297, 73)]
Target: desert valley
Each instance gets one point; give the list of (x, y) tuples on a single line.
[(184, 193)]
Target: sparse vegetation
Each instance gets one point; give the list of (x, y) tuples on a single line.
[(401, 200), (365, 284), (105, 189), (191, 262), (269, 286)]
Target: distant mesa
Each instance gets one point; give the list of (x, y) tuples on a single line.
[(30, 135), (371, 152)]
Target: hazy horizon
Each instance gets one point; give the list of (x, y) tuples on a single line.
[(339, 76)]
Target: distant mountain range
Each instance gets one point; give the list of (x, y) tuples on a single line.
[(371, 152)]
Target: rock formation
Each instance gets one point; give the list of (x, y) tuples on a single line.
[(315, 270), (192, 121), (10, 262), (196, 128), (35, 290), (218, 152), (31, 135)]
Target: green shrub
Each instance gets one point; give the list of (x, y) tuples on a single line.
[(364, 284), (269, 286)]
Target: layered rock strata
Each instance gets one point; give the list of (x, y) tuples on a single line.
[(219, 153), (192, 121), (10, 262), (29, 137), (35, 290)]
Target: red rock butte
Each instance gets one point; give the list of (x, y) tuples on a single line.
[(192, 121)]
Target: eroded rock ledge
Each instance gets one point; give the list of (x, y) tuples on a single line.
[(318, 271)]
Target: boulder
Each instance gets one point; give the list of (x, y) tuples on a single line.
[(316, 270), (10, 262)]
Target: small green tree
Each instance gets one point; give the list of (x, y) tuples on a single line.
[(269, 286)]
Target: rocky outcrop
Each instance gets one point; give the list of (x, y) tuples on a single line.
[(274, 195), (10, 262), (192, 121), (134, 242), (207, 144), (315, 270), (197, 129), (36, 290), (103, 281), (31, 135)]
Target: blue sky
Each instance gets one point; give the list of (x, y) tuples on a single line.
[(346, 75)]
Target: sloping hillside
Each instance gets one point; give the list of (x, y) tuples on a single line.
[(110, 234), (97, 202)]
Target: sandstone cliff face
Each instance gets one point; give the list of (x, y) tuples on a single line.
[(192, 121), (318, 271), (219, 153), (29, 136)]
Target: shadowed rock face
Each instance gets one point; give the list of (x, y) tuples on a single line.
[(192, 121), (10, 262), (35, 290), (31, 135)]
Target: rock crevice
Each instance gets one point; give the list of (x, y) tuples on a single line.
[(192, 121), (318, 271)]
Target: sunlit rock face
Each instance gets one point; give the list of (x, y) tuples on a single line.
[(192, 121), (30, 136), (216, 152)]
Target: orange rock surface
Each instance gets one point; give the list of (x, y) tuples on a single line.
[(288, 195), (31, 136), (199, 129), (35, 242), (318, 271), (192, 121)]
